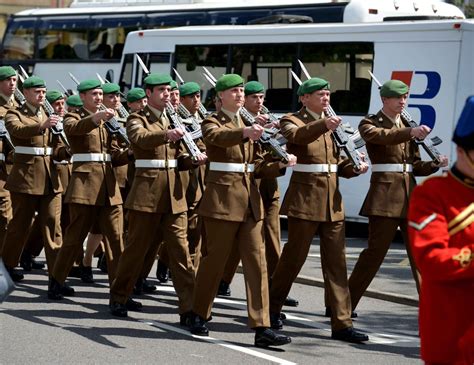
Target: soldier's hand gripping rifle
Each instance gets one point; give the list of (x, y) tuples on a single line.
[(266, 140), (57, 129), (340, 137), (427, 144), (112, 125), (176, 122)]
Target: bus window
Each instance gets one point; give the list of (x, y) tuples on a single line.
[(189, 61), (108, 38), (323, 13), (269, 65), (161, 20), (345, 66), (18, 43), (236, 16), (63, 38)]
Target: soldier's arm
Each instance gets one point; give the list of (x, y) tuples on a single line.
[(18, 129), (422, 168), (120, 156), (302, 135), (267, 166), (345, 168), (141, 136), (215, 134), (60, 151), (75, 126), (184, 159), (429, 239), (377, 135)]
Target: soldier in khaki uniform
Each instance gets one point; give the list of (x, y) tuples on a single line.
[(313, 205), (8, 80), (395, 161), (156, 202), (33, 183), (93, 193), (232, 212), (268, 187)]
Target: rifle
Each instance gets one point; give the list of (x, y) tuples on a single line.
[(428, 145), (5, 135), (58, 129), (112, 125), (185, 113), (266, 140), (339, 136), (176, 122)]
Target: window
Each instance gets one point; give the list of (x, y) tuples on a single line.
[(18, 43)]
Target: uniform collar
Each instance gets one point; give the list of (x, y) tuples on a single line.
[(155, 111), (458, 175), (315, 115)]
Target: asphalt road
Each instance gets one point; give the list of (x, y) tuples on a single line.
[(79, 330)]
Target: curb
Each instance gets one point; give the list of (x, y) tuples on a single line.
[(387, 296)]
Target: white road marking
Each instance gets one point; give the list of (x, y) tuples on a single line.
[(378, 338), (222, 343)]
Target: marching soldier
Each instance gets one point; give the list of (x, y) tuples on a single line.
[(232, 212), (395, 157), (441, 231), (74, 103), (8, 84), (33, 183), (313, 205), (156, 202), (268, 187), (136, 99), (93, 193)]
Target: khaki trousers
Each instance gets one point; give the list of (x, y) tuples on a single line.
[(382, 231), (146, 231), (82, 217), (333, 257), (221, 237), (24, 208), (5, 216)]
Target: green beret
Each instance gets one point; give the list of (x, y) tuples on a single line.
[(74, 100), (189, 88), (135, 94), (174, 85), (158, 79), (6, 72), (229, 81), (312, 85), (253, 87), (393, 89), (53, 95), (110, 88), (33, 81), (89, 85)]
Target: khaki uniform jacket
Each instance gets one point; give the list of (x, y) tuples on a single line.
[(387, 144), (231, 196), (313, 196), (92, 183), (5, 106), (33, 174), (155, 190)]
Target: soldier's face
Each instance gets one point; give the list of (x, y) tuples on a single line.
[(135, 106), (112, 101), (232, 99), (8, 86), (159, 96), (191, 102), (59, 107), (174, 98), (92, 99), (394, 105), (254, 102), (317, 101), (35, 95)]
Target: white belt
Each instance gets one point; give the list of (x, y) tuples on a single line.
[(231, 167), (91, 157), (2, 157), (63, 162), (392, 167), (38, 151), (315, 167), (156, 164)]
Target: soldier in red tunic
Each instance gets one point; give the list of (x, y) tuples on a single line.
[(441, 231)]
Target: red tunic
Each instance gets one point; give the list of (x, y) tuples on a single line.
[(441, 231)]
